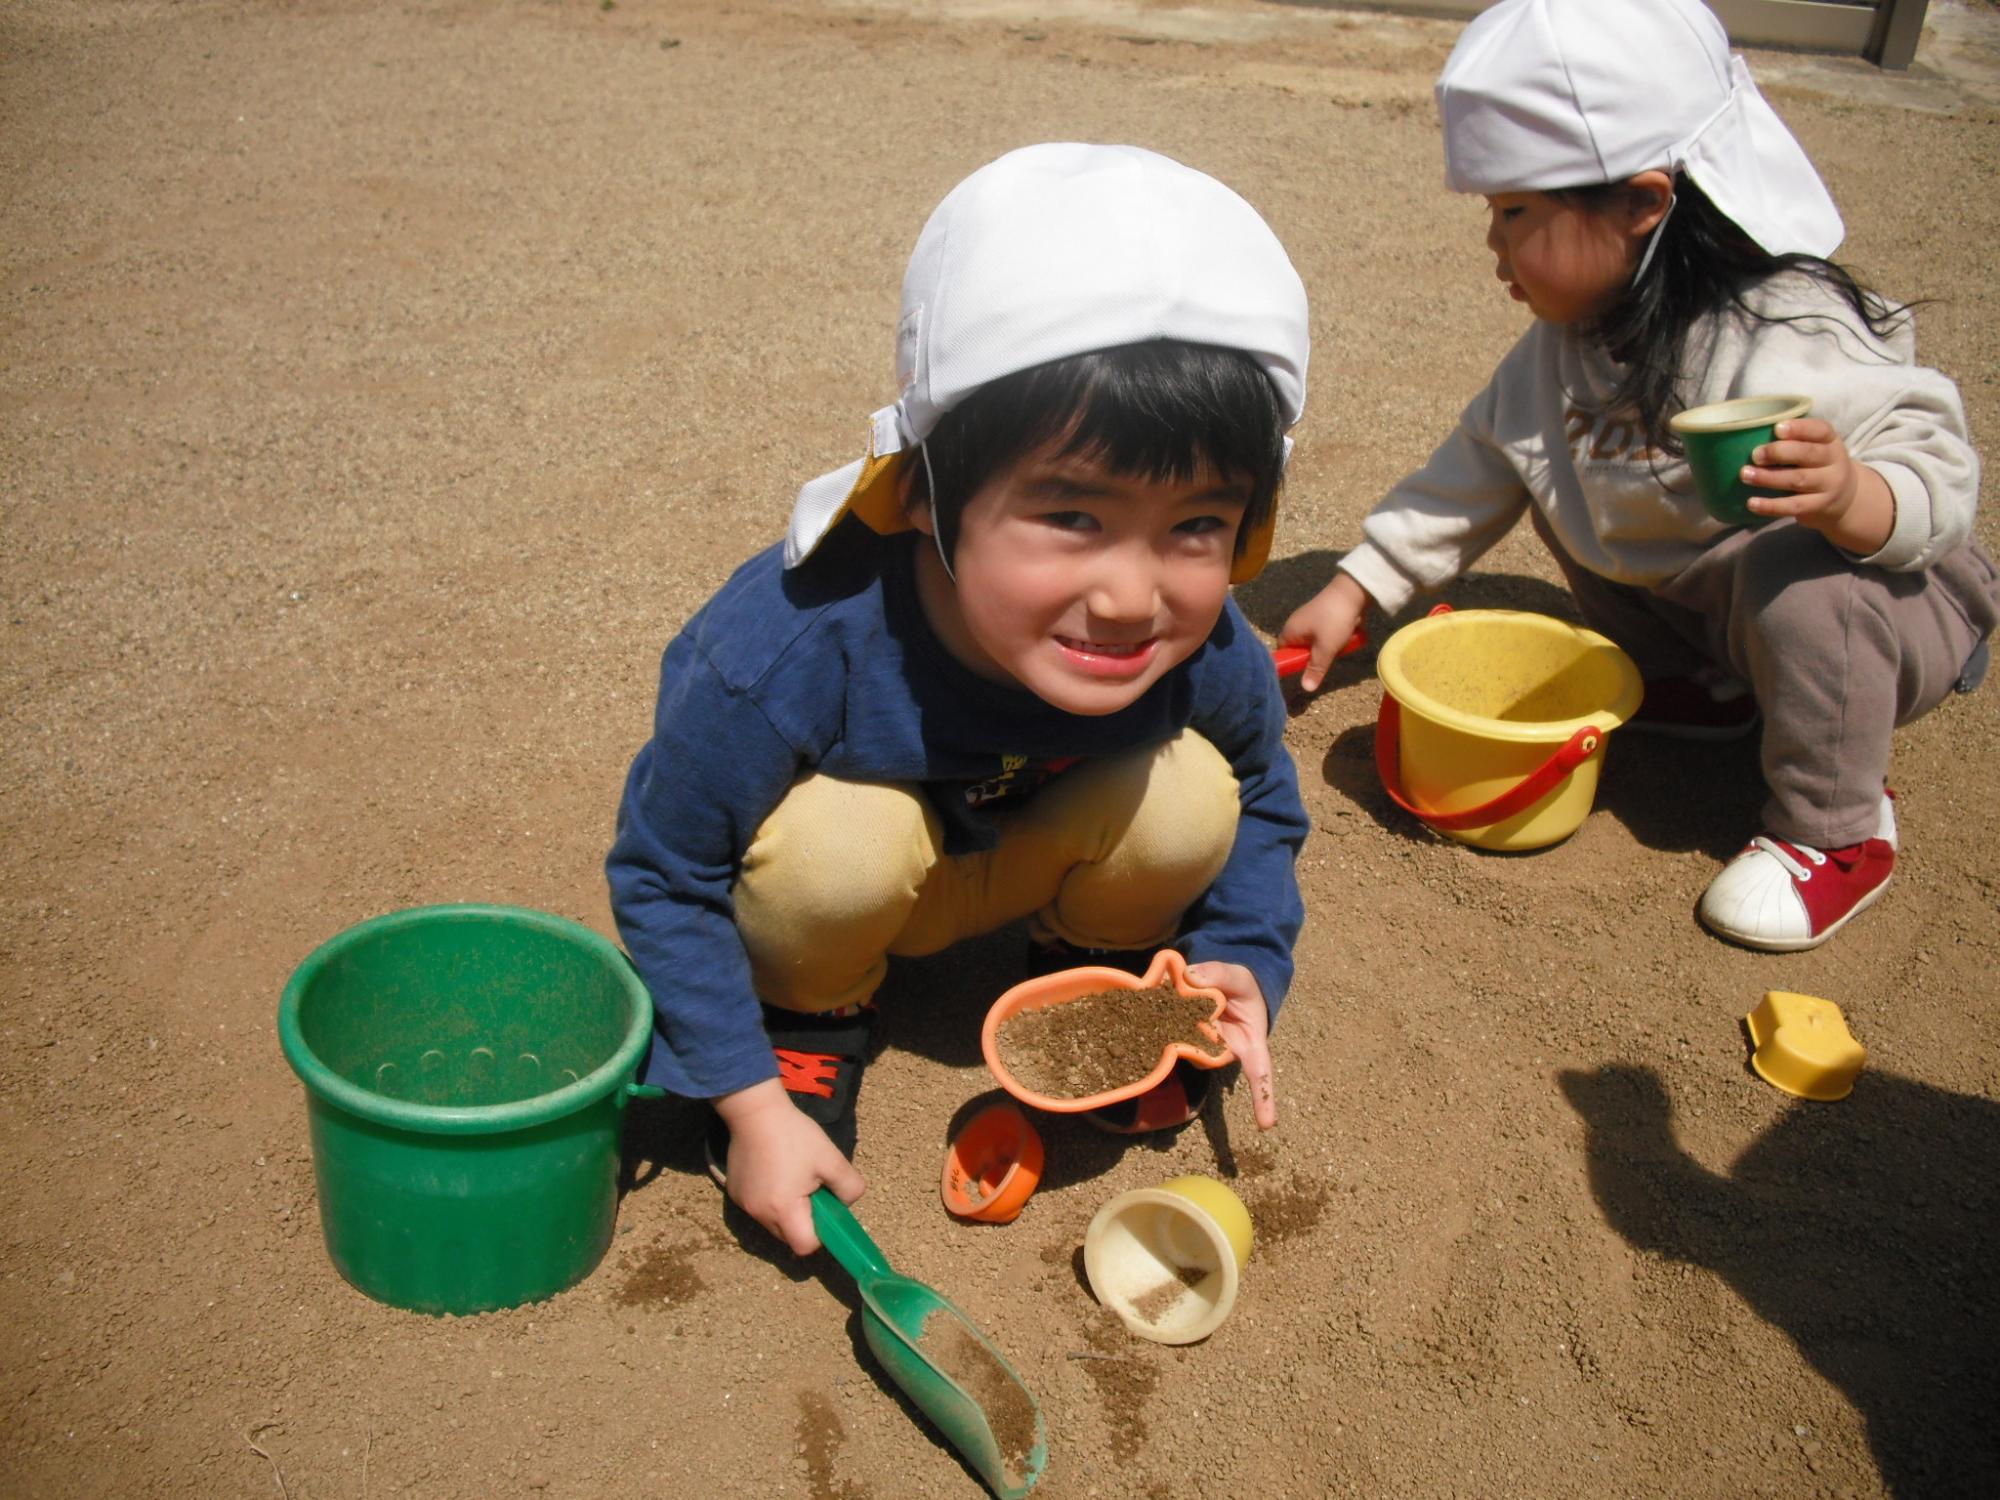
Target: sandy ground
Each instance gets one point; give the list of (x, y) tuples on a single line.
[(382, 385)]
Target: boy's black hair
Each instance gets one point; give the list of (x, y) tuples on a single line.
[(1702, 264), (1157, 410)]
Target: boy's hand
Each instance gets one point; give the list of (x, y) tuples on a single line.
[(1245, 1024), (1823, 487), (1324, 623), (777, 1157)]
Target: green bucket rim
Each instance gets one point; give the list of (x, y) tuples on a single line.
[(480, 1119)]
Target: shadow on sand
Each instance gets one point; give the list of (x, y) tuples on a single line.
[(1867, 1231)]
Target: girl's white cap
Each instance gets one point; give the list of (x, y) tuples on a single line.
[(1542, 94), (1062, 249)]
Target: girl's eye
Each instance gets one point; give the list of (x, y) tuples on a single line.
[(1201, 525)]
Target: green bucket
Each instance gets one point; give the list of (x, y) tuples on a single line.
[(466, 1070)]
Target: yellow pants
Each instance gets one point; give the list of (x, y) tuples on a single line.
[(1107, 855)]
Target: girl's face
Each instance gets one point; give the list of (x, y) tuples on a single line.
[(1566, 260), (1083, 585)]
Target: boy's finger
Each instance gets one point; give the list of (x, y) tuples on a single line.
[(847, 1184), (1263, 1098), (794, 1225)]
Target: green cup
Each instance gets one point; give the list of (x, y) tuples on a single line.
[(1719, 440)]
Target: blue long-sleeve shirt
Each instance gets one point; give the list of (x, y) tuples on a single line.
[(832, 667)]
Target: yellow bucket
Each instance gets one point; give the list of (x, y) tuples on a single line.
[(1493, 723)]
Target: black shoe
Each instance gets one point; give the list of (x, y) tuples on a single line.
[(1051, 958), (820, 1062), (1167, 1105)]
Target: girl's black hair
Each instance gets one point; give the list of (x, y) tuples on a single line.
[(1158, 410), (1703, 264)]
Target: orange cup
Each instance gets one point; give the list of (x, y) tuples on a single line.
[(992, 1165)]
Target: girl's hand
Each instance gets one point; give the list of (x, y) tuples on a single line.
[(1324, 623), (1245, 1024), (777, 1157), (1823, 487)]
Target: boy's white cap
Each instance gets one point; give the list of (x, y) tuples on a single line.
[(1543, 94), (1062, 249)]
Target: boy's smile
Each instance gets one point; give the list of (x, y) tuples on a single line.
[(1080, 584)]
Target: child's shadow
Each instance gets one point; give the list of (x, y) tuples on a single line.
[(660, 1135), (935, 1006), (1867, 1231), (1287, 582), (1683, 796)]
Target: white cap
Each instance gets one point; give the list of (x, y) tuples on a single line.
[(1057, 250), (1542, 94)]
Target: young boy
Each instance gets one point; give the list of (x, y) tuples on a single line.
[(994, 671)]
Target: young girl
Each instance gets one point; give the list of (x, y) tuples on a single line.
[(1670, 237)]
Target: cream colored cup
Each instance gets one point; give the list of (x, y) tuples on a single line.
[(1169, 1259)]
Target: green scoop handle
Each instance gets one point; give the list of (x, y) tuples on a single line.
[(895, 1310)]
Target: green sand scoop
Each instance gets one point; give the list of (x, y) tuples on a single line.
[(942, 1362)]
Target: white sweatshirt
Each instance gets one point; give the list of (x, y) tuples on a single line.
[(1619, 509)]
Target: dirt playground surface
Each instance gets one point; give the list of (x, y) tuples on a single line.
[(382, 385)]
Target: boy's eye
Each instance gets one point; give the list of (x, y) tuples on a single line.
[(1202, 525), (1069, 520)]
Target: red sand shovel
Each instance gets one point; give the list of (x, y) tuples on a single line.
[(1291, 660)]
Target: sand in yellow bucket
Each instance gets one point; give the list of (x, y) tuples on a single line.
[(1494, 722)]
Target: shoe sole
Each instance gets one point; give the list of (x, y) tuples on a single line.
[(1798, 945)]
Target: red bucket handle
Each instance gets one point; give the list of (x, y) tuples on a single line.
[(1524, 794)]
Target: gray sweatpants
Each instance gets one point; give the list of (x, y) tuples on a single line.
[(1838, 655)]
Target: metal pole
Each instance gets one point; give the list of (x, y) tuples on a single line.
[(1898, 25)]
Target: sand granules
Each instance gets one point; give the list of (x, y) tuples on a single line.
[(954, 1348), (1101, 1041)]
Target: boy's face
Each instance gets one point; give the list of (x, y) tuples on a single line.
[(1082, 585)]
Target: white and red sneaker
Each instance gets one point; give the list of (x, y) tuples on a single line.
[(1784, 897)]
